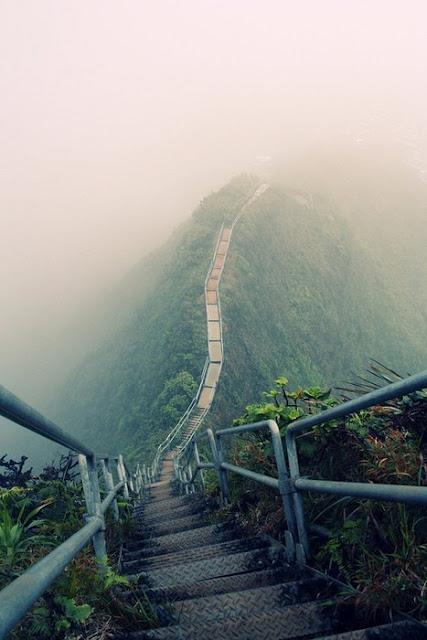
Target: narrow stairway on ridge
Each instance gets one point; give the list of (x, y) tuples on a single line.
[(193, 418), (213, 581)]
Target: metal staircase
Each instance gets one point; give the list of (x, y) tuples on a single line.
[(214, 581), (208, 579), (192, 419)]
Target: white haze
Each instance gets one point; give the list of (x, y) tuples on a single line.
[(117, 117)]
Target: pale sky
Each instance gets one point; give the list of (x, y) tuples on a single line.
[(116, 117)]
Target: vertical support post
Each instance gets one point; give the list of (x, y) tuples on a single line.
[(223, 472), (303, 548), (181, 480), (130, 481), (189, 474), (109, 483), (291, 535), (138, 480), (186, 480), (122, 475), (89, 475), (197, 459), (216, 461)]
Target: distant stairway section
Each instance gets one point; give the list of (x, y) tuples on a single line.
[(214, 326), (212, 371)]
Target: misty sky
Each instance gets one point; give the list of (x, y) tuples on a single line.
[(116, 117)]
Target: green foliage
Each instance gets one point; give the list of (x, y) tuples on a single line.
[(57, 620), (379, 548), (19, 529), (136, 386), (83, 597), (291, 296)]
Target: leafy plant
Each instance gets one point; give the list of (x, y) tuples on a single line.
[(61, 617), (18, 533)]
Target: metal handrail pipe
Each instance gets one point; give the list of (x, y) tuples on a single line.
[(254, 426), (252, 475), (379, 396), (20, 595), (14, 409), (200, 467), (110, 496), (386, 492)]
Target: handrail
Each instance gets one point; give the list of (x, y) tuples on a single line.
[(14, 409), (17, 597), (379, 396), (289, 483)]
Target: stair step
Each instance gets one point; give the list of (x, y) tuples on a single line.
[(226, 584), (167, 514), (149, 508), (240, 602), (192, 555), (173, 526), (201, 570), (191, 538), (154, 495), (155, 500), (295, 621), (404, 630)]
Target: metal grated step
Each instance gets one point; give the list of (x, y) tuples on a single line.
[(295, 621), (239, 602), (225, 584), (405, 630), (167, 514), (201, 570), (191, 555), (191, 538), (180, 524)]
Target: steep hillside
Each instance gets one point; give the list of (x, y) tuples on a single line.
[(139, 382), (298, 295), (301, 296)]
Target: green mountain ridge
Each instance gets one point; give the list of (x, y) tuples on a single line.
[(299, 296)]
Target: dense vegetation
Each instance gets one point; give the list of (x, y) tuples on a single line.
[(132, 391), (378, 548), (298, 293), (37, 513)]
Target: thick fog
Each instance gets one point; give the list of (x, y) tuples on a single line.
[(116, 118)]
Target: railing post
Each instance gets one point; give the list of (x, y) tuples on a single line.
[(109, 483), (216, 461), (303, 548), (89, 476), (181, 480), (139, 483), (130, 481), (122, 475), (186, 480), (223, 472), (189, 474), (197, 459), (286, 490)]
